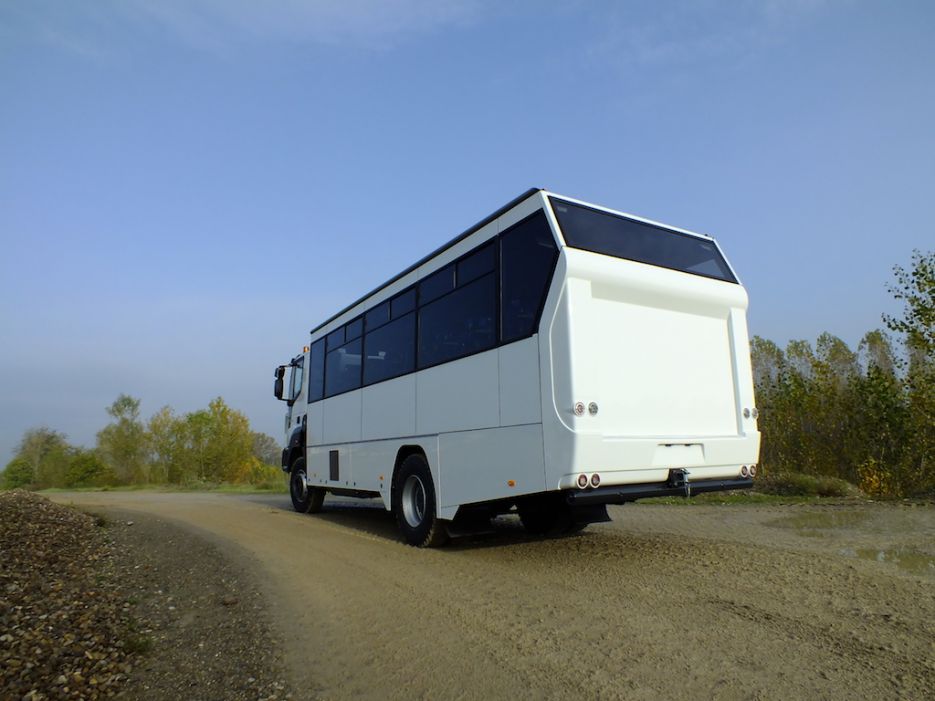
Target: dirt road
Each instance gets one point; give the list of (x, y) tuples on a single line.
[(732, 602)]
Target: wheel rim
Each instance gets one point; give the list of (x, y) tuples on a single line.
[(413, 501), (299, 488)]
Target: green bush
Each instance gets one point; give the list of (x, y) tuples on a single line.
[(86, 469), (18, 473)]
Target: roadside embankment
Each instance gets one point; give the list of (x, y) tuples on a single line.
[(63, 630), (125, 606)]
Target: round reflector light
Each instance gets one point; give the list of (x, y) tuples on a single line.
[(582, 481)]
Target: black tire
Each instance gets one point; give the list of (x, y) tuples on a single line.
[(305, 499), (414, 504)]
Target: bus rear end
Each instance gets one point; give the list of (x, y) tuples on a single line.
[(648, 363)]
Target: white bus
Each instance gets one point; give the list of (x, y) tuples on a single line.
[(552, 359)]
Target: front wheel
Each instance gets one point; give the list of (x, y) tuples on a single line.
[(305, 499), (414, 504)]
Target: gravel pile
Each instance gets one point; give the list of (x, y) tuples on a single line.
[(64, 631)]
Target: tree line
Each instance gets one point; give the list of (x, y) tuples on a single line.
[(209, 446), (866, 415)]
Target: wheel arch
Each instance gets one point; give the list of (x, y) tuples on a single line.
[(295, 449), (404, 452)]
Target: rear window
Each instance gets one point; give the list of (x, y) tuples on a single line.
[(613, 235)]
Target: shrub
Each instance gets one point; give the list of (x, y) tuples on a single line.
[(18, 473), (86, 469)]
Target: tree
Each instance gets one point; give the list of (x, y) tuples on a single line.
[(876, 351), (266, 449), (212, 445), (122, 443), (166, 437), (916, 289), (46, 452), (230, 443), (86, 469), (17, 473)]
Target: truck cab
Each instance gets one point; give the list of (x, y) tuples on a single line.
[(293, 391)]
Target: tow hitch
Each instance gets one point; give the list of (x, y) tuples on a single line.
[(678, 479)]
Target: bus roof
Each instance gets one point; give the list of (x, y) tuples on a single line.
[(444, 247)]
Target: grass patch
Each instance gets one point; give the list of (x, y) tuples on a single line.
[(137, 644), (800, 484), (785, 488), (739, 498), (269, 487)]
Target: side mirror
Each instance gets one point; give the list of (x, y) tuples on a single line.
[(278, 384)]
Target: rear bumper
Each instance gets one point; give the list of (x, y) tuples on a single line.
[(622, 493)]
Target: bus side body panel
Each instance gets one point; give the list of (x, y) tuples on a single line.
[(389, 409), (342, 418), (462, 395), (520, 401), (374, 460), (478, 466)]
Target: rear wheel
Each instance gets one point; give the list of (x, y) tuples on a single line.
[(305, 499), (414, 504)]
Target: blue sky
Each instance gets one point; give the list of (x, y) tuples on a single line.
[(186, 188)]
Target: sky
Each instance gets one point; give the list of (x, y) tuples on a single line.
[(187, 187)]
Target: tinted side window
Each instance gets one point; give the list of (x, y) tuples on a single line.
[(342, 368), (478, 263), (335, 338), (354, 329), (459, 323), (378, 316), (403, 303), (316, 371), (390, 351), (527, 258), (437, 284)]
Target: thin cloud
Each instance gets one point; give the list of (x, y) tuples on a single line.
[(685, 33), (218, 25)]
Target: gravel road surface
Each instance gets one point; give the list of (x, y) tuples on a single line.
[(731, 602)]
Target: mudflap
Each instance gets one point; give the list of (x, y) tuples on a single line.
[(470, 521), (589, 513)]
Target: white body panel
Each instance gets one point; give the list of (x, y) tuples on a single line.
[(462, 395), (664, 354), (520, 400), (342, 422), (389, 409), (469, 475)]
